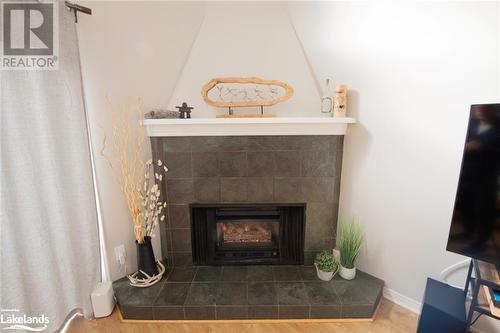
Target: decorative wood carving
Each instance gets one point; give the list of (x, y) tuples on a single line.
[(233, 92)]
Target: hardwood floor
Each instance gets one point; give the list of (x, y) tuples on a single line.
[(391, 318)]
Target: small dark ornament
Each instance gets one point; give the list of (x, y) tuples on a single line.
[(185, 111)]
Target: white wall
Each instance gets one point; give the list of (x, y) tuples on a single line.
[(247, 39), (414, 69), (129, 50)]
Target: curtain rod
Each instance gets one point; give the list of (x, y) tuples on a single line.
[(77, 8)]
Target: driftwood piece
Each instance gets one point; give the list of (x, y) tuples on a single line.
[(236, 92), (146, 281), (161, 114)]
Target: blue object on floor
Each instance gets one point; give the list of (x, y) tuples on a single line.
[(496, 297), (443, 309)]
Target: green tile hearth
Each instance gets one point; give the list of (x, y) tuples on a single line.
[(249, 292)]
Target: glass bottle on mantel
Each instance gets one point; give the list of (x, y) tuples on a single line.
[(327, 100)]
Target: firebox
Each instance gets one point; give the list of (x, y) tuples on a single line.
[(247, 234)]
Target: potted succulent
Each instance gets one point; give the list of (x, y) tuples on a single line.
[(349, 244), (326, 266)]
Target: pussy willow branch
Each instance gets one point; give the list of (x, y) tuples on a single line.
[(130, 167)]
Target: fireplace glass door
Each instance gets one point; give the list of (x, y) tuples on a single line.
[(247, 234)]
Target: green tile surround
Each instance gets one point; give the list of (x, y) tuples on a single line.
[(249, 292), (250, 169)]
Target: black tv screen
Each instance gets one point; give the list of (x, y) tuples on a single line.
[(475, 225)]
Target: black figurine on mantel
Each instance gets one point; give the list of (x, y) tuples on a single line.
[(184, 111)]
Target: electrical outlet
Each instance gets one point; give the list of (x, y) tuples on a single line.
[(120, 254)]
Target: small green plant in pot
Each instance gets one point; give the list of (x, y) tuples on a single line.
[(326, 266), (349, 245)]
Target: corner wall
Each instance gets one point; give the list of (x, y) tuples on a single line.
[(129, 50), (413, 70)]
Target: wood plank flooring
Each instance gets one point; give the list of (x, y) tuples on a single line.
[(391, 318)]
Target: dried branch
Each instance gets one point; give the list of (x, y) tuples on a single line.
[(130, 171)]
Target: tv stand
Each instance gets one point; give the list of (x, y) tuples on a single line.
[(485, 277)]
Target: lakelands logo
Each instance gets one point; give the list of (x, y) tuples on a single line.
[(30, 35), (13, 319)]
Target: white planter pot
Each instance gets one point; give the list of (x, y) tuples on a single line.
[(325, 276), (347, 273)]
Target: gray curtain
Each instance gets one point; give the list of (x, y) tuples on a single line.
[(49, 232)]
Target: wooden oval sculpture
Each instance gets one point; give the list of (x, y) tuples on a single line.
[(229, 92)]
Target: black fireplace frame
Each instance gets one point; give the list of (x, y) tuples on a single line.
[(291, 216)]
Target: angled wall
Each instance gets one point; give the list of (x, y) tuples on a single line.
[(247, 39)]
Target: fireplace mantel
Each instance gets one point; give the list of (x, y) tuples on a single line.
[(247, 126)]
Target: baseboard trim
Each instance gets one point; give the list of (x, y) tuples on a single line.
[(402, 300)]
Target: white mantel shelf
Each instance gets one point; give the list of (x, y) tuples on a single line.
[(247, 126)]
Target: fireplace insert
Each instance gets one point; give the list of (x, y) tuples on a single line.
[(245, 234)]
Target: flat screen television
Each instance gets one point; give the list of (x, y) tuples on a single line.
[(475, 225)]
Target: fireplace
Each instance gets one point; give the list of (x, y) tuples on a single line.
[(249, 169), (247, 234)]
